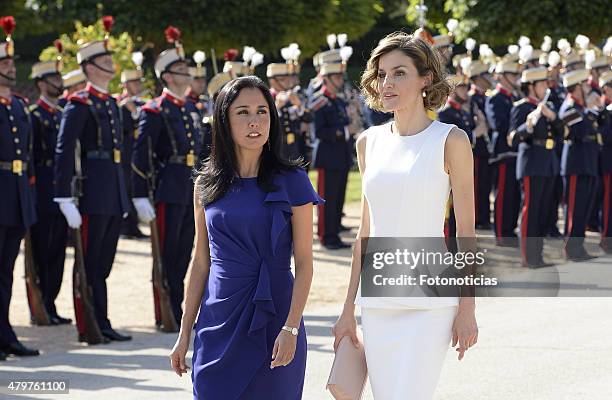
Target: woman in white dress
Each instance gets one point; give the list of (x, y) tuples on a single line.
[(408, 167)]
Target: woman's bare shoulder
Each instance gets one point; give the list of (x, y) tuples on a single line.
[(457, 149), (458, 136), (361, 140), (457, 142)]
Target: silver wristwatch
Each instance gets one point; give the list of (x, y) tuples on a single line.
[(293, 331)]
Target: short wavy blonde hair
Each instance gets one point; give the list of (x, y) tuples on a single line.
[(426, 60)]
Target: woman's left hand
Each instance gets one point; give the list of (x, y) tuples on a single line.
[(465, 331), (284, 349)]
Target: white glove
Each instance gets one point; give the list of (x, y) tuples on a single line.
[(70, 211), (145, 210), (532, 119)]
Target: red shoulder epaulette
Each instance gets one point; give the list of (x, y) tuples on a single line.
[(152, 106), (82, 96), (22, 97)]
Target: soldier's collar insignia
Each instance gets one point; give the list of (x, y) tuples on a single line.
[(97, 92), (166, 94)]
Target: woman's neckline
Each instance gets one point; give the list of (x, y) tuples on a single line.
[(419, 133)]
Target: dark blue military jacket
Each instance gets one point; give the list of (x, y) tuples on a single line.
[(169, 138), (92, 118), (536, 150), (332, 147), (17, 200), (606, 132), (581, 149), (46, 119), (452, 113), (497, 109), (478, 101)]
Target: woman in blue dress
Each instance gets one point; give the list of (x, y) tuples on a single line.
[(252, 211)]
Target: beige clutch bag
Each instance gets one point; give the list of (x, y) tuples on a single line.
[(349, 372)]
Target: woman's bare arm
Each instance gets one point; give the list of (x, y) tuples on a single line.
[(347, 324), (198, 271), (301, 222), (459, 164), (284, 348), (362, 233)]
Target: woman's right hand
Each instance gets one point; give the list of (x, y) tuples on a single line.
[(178, 354), (346, 325)]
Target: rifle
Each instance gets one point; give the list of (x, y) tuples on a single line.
[(164, 316), (38, 311), (87, 325), (214, 61)]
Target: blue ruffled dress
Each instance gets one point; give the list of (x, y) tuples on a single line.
[(248, 294)]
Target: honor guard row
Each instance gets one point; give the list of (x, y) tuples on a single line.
[(165, 154), (332, 154), (533, 156)]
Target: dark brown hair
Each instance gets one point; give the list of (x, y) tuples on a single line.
[(426, 60)]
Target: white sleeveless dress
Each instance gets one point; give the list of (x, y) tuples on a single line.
[(406, 338)]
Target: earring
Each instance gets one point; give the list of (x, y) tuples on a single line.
[(269, 145), (424, 94)]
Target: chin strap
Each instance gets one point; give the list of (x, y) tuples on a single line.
[(59, 89), (102, 69), (177, 73), (7, 77)]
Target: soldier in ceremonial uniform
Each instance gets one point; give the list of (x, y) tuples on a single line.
[(164, 157), (503, 158), (572, 62), (534, 124), (50, 233), (554, 79), (17, 209), (231, 67), (290, 107), (237, 69), (455, 110), (73, 82), (596, 65), (196, 92), (557, 94), (605, 83), (331, 154), (213, 88), (91, 122), (331, 56), (580, 160), (476, 72), (130, 104)]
